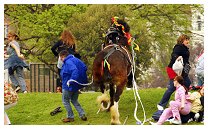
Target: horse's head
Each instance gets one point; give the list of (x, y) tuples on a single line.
[(115, 36)]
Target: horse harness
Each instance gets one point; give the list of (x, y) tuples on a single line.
[(115, 47)]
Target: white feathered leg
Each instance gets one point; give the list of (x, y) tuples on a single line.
[(102, 100), (115, 114)]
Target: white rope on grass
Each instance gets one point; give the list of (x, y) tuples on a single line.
[(135, 90)]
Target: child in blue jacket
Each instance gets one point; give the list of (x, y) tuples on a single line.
[(73, 72)]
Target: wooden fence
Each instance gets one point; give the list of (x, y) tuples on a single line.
[(41, 79)]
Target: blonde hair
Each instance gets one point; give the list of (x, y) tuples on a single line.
[(181, 38)]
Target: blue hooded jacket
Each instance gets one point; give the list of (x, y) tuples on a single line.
[(73, 69)]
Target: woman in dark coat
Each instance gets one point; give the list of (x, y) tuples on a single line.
[(180, 50), (67, 42)]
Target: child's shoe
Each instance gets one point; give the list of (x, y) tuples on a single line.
[(175, 121)]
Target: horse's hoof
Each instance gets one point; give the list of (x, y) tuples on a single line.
[(115, 123)]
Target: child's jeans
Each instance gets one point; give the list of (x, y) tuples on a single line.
[(67, 97)]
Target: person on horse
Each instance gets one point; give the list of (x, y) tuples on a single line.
[(119, 32)]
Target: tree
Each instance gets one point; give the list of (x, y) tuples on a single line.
[(39, 26), (165, 23), (155, 27)]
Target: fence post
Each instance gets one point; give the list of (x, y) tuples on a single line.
[(30, 77), (38, 78), (44, 76), (53, 78), (34, 78)]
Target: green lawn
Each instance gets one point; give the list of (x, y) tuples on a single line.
[(34, 108)]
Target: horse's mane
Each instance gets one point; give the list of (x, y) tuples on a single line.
[(126, 26)]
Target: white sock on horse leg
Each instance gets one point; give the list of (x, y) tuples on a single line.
[(115, 114)]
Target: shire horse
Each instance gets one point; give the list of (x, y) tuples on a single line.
[(111, 67)]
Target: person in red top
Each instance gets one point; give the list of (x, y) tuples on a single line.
[(180, 49)]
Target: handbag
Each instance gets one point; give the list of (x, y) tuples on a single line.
[(178, 66), (10, 96)]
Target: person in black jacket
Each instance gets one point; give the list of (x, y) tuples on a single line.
[(66, 42), (180, 50)]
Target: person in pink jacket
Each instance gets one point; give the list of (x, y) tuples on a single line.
[(181, 104)]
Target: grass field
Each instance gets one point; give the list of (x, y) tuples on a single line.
[(34, 108)]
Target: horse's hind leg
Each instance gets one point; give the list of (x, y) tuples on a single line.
[(114, 109), (112, 92), (119, 91)]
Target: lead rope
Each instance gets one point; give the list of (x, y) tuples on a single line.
[(86, 84), (135, 90)]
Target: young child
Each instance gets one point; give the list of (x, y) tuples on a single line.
[(180, 105), (72, 69), (197, 108)]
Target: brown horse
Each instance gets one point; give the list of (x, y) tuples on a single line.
[(112, 66)]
